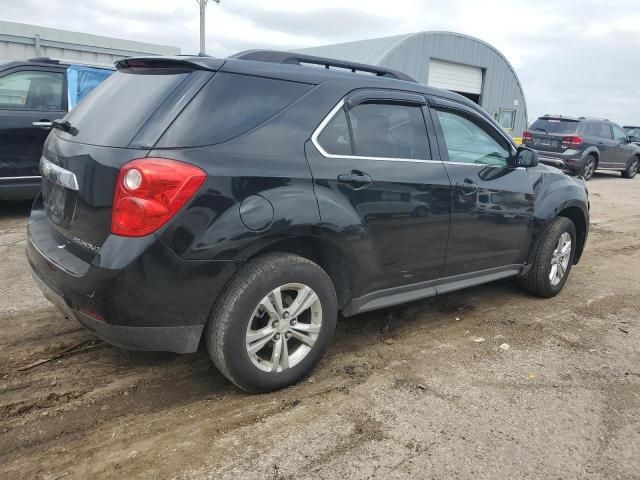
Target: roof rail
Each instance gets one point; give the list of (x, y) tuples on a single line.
[(291, 58), (44, 60), (595, 118)]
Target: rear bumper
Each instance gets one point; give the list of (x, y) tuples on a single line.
[(178, 339), (136, 293)]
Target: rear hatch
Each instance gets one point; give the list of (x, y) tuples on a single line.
[(119, 121), (552, 134)]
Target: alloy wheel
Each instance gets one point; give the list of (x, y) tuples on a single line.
[(560, 259), (284, 327), (589, 168)]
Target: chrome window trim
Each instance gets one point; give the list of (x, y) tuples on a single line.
[(58, 175), (324, 153)]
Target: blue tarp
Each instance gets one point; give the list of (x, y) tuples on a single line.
[(81, 80)]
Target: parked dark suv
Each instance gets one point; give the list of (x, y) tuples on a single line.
[(583, 145), (33, 93), (249, 200)]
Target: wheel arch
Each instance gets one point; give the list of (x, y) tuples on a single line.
[(579, 219), (321, 251), (594, 152)]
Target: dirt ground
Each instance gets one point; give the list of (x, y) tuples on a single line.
[(402, 393)]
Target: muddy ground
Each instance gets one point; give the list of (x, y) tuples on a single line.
[(404, 393)]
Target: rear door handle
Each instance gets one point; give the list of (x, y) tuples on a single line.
[(355, 179), (468, 187), (44, 124)]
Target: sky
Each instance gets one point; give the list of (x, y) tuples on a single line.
[(573, 57)]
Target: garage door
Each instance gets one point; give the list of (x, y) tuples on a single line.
[(456, 77)]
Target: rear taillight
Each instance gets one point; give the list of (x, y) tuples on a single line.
[(149, 192), (527, 137), (573, 140)]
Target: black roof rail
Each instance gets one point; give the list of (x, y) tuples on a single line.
[(292, 58), (44, 60)]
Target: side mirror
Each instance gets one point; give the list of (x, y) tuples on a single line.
[(527, 157), (631, 139)]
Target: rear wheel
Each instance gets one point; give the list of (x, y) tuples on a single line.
[(632, 168), (273, 322), (590, 165), (553, 259)]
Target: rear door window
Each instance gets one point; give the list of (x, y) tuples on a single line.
[(555, 126), (380, 130), (32, 90), (597, 130), (389, 131), (335, 138), (228, 106)]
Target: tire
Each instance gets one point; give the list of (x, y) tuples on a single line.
[(538, 280), (233, 318), (632, 169), (420, 212), (590, 166)]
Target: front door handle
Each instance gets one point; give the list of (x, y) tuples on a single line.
[(356, 179), (44, 124), (468, 187)]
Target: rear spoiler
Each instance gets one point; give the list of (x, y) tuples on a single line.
[(190, 63)]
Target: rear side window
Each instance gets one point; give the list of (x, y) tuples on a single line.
[(120, 106), (555, 125), (228, 106), (380, 130)]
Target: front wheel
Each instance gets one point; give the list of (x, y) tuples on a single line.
[(632, 169), (273, 322), (553, 259)]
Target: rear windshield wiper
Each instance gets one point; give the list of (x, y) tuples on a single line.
[(65, 126), (538, 128)]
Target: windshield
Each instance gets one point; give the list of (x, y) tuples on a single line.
[(555, 125)]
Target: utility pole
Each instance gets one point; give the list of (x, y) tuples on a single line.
[(203, 10)]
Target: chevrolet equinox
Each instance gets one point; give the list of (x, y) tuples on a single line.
[(246, 201)]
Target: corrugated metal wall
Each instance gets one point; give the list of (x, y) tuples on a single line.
[(20, 41), (412, 54)]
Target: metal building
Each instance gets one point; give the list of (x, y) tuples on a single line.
[(452, 61), (19, 41)]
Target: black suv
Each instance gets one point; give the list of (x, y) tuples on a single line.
[(32, 94), (583, 145), (249, 200)]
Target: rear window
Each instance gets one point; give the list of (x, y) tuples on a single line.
[(118, 108), (228, 106), (555, 125)]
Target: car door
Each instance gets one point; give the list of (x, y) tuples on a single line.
[(607, 146), (492, 201), (30, 98), (623, 149), (384, 199)]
